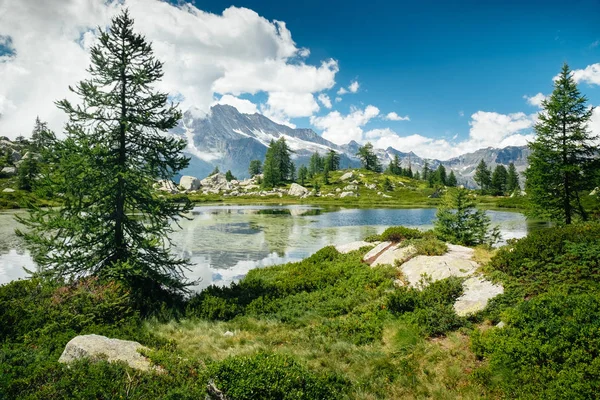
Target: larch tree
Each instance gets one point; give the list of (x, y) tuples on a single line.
[(368, 158), (483, 176), (512, 180), (113, 223), (499, 180), (562, 153)]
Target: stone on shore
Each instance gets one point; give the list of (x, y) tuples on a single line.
[(189, 182), (297, 190), (348, 194), (96, 348)]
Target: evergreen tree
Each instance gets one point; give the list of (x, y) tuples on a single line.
[(440, 175), (315, 165), (270, 173), (417, 176), (409, 172), (368, 158), (283, 160), (483, 176), (229, 176), (112, 223), (387, 185), (512, 180), (332, 160), (214, 171), (293, 172), (561, 153), (42, 138), (302, 174), (452, 179), (394, 167), (326, 174), (499, 180), (459, 221), (28, 171), (425, 171), (255, 168)]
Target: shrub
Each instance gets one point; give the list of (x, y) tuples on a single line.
[(437, 319), (399, 233), (458, 221), (429, 246), (550, 348), (273, 376)]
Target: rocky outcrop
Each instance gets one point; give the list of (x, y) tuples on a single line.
[(297, 190), (96, 348), (167, 185), (394, 254), (189, 183), (346, 176), (348, 194), (9, 171), (456, 262), (476, 294)]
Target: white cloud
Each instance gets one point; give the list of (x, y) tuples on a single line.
[(421, 145), (590, 74), (325, 100), (244, 106), (338, 99), (341, 129), (393, 116), (284, 105), (352, 88), (233, 53), (535, 100)]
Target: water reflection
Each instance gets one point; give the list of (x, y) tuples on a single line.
[(225, 242)]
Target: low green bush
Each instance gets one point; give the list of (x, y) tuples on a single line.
[(267, 376), (430, 308), (428, 246), (549, 348), (400, 233)]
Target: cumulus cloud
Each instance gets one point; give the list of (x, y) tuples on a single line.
[(393, 116), (590, 74), (232, 53), (325, 100), (535, 100), (284, 105), (338, 99), (341, 129), (244, 106), (352, 88)]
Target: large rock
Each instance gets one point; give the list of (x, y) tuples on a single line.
[(395, 254), (348, 247), (348, 194), (376, 250), (476, 294), (457, 262), (214, 181), (346, 176), (8, 190), (10, 171), (297, 190), (189, 182), (167, 185), (96, 348), (350, 188)]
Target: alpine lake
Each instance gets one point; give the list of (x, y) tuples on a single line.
[(224, 242)]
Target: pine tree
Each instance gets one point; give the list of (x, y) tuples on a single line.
[(512, 180), (229, 176), (440, 175), (255, 168), (425, 171), (459, 221), (28, 171), (214, 171), (270, 173), (368, 158), (417, 176), (42, 138), (113, 223), (283, 160), (562, 153), (452, 179), (315, 165), (483, 176), (499, 180), (332, 160), (293, 172), (302, 174), (326, 174)]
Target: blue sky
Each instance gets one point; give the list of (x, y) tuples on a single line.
[(435, 59), (454, 72)]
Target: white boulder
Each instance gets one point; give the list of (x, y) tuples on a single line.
[(346, 176), (348, 194), (189, 182), (297, 190)]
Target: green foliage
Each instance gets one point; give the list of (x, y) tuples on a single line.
[(567, 257), (387, 185), (368, 158), (105, 170), (316, 164), (483, 176), (278, 163), (255, 168), (28, 171), (549, 348), (302, 174), (452, 182), (499, 181), (432, 307), (399, 233), (332, 161), (428, 246), (214, 171), (512, 179), (229, 176), (459, 221), (267, 376), (562, 154)]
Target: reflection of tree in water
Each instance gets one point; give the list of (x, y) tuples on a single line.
[(8, 239), (277, 231)]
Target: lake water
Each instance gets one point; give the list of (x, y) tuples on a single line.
[(225, 242)]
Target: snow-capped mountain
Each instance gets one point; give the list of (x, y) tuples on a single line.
[(230, 140)]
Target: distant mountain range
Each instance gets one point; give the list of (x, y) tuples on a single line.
[(230, 140)]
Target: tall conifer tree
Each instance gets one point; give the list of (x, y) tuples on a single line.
[(562, 152), (113, 223)]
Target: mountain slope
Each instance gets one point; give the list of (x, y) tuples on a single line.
[(230, 140)]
